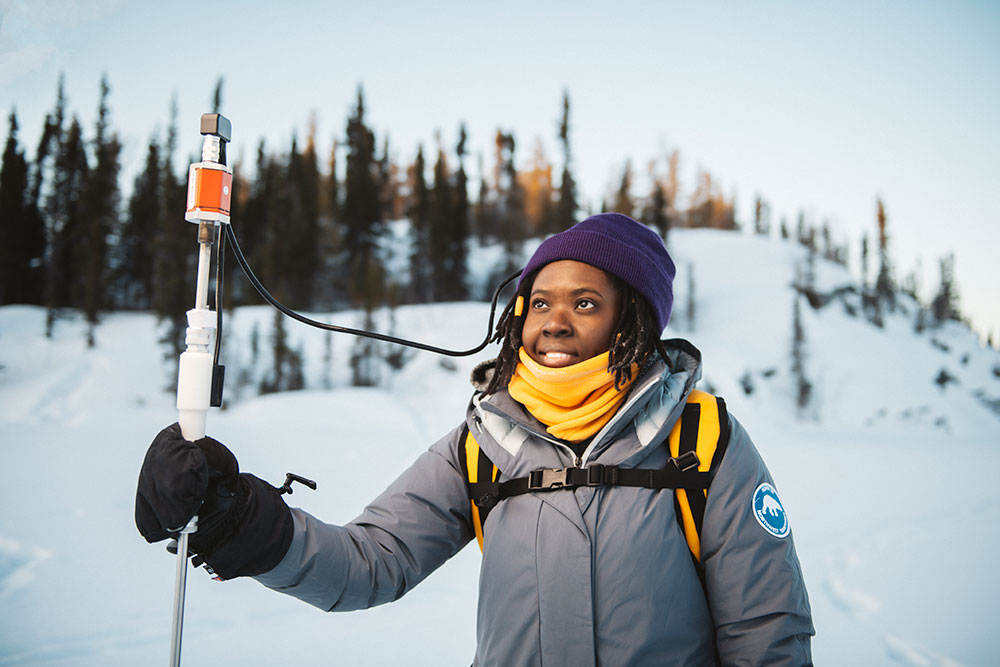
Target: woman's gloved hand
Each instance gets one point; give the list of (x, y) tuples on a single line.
[(244, 526)]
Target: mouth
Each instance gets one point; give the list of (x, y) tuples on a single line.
[(555, 359)]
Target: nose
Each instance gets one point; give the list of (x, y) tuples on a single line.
[(557, 325)]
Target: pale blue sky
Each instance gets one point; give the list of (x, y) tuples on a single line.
[(818, 106)]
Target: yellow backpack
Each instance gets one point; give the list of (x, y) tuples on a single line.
[(697, 444)]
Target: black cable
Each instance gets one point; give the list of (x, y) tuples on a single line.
[(220, 256), (358, 332)]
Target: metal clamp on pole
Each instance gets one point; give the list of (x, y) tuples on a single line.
[(210, 185)]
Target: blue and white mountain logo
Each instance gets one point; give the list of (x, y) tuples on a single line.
[(768, 510)]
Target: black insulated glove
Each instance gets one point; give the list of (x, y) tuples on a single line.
[(244, 526)]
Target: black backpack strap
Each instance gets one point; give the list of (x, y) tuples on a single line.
[(689, 423), (684, 472), (703, 428), (480, 480), (720, 448), (679, 473)]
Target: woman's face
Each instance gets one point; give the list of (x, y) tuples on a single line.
[(570, 314)]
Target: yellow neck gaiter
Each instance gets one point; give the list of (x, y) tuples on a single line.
[(574, 402)]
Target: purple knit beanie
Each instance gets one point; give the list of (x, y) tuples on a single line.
[(622, 247)]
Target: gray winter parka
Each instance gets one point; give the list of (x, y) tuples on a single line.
[(589, 576)]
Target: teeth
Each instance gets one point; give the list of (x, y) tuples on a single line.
[(557, 355)]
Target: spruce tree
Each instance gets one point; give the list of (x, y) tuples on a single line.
[(101, 201), (671, 185), (944, 306), (328, 240), (486, 210), (274, 379), (761, 215), (869, 302), (175, 254), (808, 280), (308, 189), (48, 145), (286, 372), (295, 232), (728, 219), (455, 287), (829, 250), (509, 193), (134, 273), (912, 282), (920, 321), (655, 213), (440, 227), (64, 212), (276, 229), (419, 214), (361, 214), (566, 206), (47, 153), (864, 263), (284, 228), (326, 379), (803, 388), (623, 196), (885, 290), (510, 202), (256, 224), (22, 235)]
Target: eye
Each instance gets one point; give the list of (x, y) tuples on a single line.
[(586, 304), (537, 303)]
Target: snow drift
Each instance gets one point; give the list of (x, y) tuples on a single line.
[(888, 473)]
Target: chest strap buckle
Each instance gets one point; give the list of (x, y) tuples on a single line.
[(547, 478)]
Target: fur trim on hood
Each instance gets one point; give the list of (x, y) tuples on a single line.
[(482, 374)]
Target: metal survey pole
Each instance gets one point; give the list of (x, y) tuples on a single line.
[(210, 184)]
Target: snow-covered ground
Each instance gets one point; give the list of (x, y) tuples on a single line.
[(889, 479)]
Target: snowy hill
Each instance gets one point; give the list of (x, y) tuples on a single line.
[(887, 475)]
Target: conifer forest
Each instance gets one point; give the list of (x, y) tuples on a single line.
[(75, 238)]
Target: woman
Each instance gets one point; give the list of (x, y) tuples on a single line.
[(584, 576)]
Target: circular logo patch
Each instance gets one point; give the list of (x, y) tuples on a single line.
[(768, 510)]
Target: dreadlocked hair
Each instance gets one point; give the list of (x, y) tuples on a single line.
[(637, 335)]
